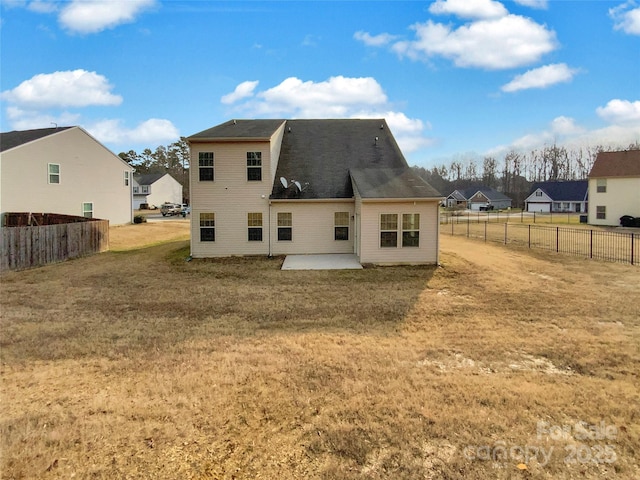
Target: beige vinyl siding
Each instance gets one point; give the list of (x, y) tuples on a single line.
[(89, 172), (621, 198), (231, 197), (312, 227), (371, 252), (276, 144)]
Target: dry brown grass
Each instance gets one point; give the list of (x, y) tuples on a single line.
[(137, 364)]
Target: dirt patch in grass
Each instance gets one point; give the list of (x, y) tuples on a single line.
[(139, 364)]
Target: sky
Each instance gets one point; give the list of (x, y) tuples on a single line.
[(454, 79)]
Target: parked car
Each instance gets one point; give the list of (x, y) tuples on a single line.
[(629, 221), (186, 210), (170, 209)]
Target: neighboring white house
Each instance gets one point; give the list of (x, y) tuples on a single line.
[(275, 187), (156, 189), (478, 198), (63, 170), (558, 196), (614, 187)]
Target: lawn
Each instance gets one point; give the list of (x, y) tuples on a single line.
[(138, 364)]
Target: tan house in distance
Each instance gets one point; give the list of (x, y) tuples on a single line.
[(155, 189), (278, 187), (614, 187), (66, 171)]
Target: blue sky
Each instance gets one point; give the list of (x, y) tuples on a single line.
[(453, 78)]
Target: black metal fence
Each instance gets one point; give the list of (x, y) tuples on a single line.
[(623, 247), (513, 216)]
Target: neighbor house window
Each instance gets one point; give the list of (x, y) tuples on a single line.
[(601, 213), (205, 166), (411, 230), (136, 189), (145, 188), (341, 225), (54, 173), (126, 179), (254, 166), (389, 230), (538, 193), (87, 209), (601, 185), (208, 227), (284, 227), (254, 223)]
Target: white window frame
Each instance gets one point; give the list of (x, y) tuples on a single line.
[(601, 212), (208, 223), (53, 174), (206, 160), (126, 178), (285, 223), (388, 229), (601, 185), (341, 220), (85, 210), (413, 227), (255, 222), (254, 162)]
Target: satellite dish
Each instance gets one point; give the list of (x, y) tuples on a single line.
[(297, 184), (284, 182)]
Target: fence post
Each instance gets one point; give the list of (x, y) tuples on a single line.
[(505, 232), (591, 243), (452, 228), (632, 235), (529, 235), (485, 233), (557, 239), (467, 226), (534, 217)]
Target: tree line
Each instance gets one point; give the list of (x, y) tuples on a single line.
[(515, 172), (172, 159)]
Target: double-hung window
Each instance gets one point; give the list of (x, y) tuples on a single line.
[(254, 224), (126, 178), (341, 226), (205, 166), (285, 227), (254, 166), (601, 212), (601, 185), (208, 227), (54, 172), (410, 229), (87, 209), (388, 230)]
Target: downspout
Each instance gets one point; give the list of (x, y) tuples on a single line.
[(269, 234)]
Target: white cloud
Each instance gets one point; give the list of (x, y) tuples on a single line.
[(243, 90), (620, 112), (506, 42), (374, 40), (92, 16), (469, 9), (150, 132), (541, 4), (541, 77), (30, 119), (71, 88), (626, 17), (623, 129), (43, 6), (337, 97)]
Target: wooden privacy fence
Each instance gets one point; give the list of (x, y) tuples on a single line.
[(34, 246), (623, 247)]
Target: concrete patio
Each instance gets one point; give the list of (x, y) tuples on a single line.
[(321, 262)]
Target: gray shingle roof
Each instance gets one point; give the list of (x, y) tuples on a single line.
[(616, 164), (391, 183), (488, 192), (240, 129), (568, 191), (16, 138), (148, 178), (321, 153)]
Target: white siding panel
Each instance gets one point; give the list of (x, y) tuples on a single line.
[(426, 253), (89, 172), (621, 198), (313, 228)]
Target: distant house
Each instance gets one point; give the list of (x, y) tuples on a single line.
[(558, 196), (614, 187), (63, 170), (478, 198), (278, 187), (156, 189)]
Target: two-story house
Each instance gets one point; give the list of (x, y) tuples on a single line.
[(277, 187), (63, 170), (614, 187), (155, 189)]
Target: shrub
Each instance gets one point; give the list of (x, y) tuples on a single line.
[(139, 219)]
